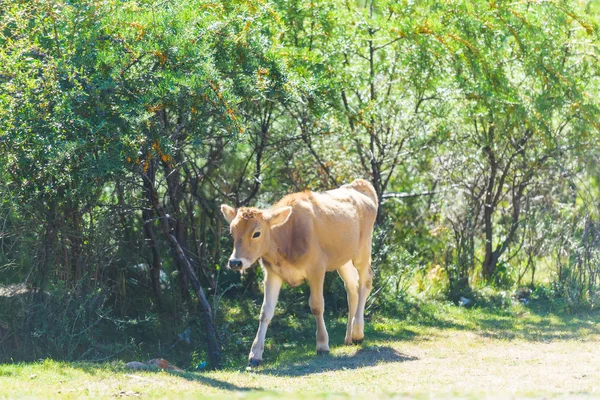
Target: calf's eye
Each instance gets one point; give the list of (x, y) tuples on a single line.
[(255, 235)]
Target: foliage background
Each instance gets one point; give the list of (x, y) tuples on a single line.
[(125, 124)]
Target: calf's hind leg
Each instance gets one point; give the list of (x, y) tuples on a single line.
[(350, 277), (365, 284)]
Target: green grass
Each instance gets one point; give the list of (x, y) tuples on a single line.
[(434, 350)]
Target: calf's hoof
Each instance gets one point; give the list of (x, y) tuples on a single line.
[(358, 341), (253, 362), (322, 352)]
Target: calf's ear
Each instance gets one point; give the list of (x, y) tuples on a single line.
[(228, 212), (279, 216)]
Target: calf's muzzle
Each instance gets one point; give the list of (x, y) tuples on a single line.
[(235, 264)]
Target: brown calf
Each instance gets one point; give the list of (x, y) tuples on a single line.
[(300, 238)]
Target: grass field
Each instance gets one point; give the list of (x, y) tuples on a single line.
[(448, 351)]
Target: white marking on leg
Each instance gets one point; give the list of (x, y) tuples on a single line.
[(272, 285), (349, 275), (365, 283)]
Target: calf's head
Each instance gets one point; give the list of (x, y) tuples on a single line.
[(251, 229)]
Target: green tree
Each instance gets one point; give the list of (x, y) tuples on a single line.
[(527, 91)]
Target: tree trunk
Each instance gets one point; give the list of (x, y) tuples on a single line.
[(489, 261), (147, 216), (213, 347), (156, 259), (46, 253), (75, 240), (173, 178)]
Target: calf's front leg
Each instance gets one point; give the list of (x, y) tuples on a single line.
[(317, 307), (272, 285)]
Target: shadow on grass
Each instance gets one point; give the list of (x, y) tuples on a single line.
[(199, 377), (365, 357), (538, 324), (216, 383), (539, 321), (292, 338), (93, 369)]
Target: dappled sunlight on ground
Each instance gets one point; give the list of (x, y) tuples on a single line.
[(452, 352)]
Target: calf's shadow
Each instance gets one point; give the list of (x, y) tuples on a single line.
[(366, 356)]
